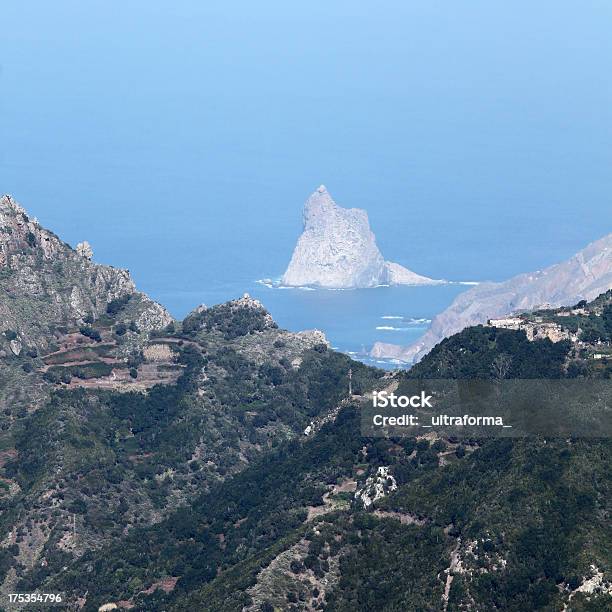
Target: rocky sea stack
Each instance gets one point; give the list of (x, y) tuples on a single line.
[(337, 250)]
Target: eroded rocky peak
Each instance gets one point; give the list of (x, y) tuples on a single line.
[(84, 250), (337, 250), (249, 303), (246, 301), (45, 283), (321, 210), (19, 234)]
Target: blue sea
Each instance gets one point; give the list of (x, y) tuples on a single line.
[(181, 140)]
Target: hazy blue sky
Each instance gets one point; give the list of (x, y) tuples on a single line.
[(181, 138)]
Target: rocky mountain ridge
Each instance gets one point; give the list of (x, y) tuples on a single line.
[(337, 250), (44, 283)]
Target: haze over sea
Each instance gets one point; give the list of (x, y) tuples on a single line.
[(181, 139)]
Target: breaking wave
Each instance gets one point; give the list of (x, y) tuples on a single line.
[(392, 328), (275, 284), (410, 323)]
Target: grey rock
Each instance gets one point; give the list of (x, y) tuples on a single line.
[(46, 283), (582, 277), (337, 250), (16, 347), (387, 350), (84, 250)]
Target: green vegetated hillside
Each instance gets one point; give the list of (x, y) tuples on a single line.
[(90, 464), (165, 466), (478, 524), (463, 524), (114, 416)]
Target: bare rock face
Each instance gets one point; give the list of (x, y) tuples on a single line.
[(398, 275), (84, 250), (249, 303), (337, 250), (387, 350), (582, 277), (16, 347), (313, 337), (45, 283), (376, 487)]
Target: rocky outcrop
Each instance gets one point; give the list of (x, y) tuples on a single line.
[(387, 350), (84, 250), (313, 337), (376, 487), (337, 250), (398, 275), (536, 330), (45, 284), (583, 277)]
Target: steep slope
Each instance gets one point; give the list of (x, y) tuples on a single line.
[(337, 250), (488, 524), (45, 284), (113, 414), (65, 320), (472, 524), (80, 463), (583, 277), (91, 464)]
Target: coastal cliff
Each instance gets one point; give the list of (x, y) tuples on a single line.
[(582, 277), (337, 250)]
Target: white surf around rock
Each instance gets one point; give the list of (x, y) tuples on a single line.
[(337, 250)]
